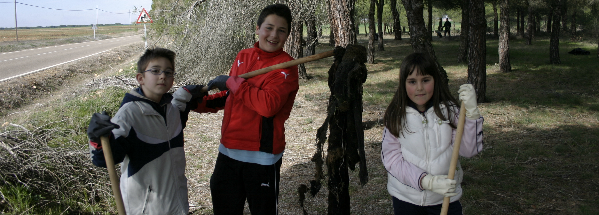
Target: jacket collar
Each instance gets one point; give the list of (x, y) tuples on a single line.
[(138, 95), (266, 55)]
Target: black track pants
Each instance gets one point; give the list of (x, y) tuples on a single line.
[(233, 182)]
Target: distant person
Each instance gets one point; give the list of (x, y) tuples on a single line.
[(417, 147), (248, 166), (146, 135), (447, 27), (440, 28)]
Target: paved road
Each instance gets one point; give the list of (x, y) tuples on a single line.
[(19, 63)]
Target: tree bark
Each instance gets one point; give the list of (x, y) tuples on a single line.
[(418, 33), (342, 22), (371, 32), (429, 8), (477, 54), (495, 20), (521, 32), (379, 17), (564, 15), (312, 38), (517, 21), (549, 19), (529, 26), (504, 38), (555, 29), (573, 23), (463, 52), (396, 20), (294, 46)]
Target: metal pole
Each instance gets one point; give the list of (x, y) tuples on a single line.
[(16, 27), (96, 22), (145, 35)]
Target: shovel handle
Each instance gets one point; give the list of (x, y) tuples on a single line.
[(456, 154), (282, 65), (114, 180)]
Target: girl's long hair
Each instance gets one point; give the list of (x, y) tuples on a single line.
[(395, 115)]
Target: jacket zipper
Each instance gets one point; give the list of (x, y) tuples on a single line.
[(426, 149)]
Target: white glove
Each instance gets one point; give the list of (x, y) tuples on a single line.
[(180, 98), (468, 96), (439, 184)]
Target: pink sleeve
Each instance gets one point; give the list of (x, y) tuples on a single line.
[(472, 138), (404, 171)]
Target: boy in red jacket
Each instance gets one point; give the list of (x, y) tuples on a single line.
[(253, 133)]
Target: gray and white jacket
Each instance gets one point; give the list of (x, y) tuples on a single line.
[(149, 143)]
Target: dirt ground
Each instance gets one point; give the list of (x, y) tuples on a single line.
[(203, 133)]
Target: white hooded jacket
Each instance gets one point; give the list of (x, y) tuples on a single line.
[(426, 146)]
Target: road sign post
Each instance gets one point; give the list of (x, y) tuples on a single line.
[(144, 18)]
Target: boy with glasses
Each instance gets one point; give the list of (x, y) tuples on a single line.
[(146, 134)]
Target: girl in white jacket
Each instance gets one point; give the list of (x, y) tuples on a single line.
[(420, 127)]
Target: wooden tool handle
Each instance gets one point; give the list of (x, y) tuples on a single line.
[(114, 180), (282, 65), (456, 154)]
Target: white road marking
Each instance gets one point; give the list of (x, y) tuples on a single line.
[(16, 76)]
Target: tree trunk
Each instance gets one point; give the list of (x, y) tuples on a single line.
[(312, 38), (477, 54), (504, 38), (294, 47), (430, 20), (463, 52), (529, 26), (379, 17), (549, 19), (521, 32), (555, 29), (371, 32), (419, 38), (342, 22), (396, 21), (573, 23), (564, 16), (495, 20), (517, 21)]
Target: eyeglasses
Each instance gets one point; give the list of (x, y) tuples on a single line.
[(167, 73)]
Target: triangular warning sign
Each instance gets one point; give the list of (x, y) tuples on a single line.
[(144, 17)]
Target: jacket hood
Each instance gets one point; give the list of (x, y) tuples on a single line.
[(138, 95)]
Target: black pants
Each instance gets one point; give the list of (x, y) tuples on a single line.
[(401, 207), (233, 182)]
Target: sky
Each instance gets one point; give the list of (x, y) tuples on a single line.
[(72, 12)]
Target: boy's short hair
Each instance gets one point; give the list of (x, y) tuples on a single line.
[(277, 9), (150, 54)]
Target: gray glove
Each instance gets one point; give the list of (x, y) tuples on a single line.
[(468, 96), (185, 94), (219, 82)]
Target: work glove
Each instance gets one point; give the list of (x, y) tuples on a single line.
[(99, 126), (219, 82), (188, 93), (468, 96), (439, 184)]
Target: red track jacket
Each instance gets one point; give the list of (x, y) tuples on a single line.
[(256, 108)]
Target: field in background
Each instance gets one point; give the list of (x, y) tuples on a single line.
[(40, 37)]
